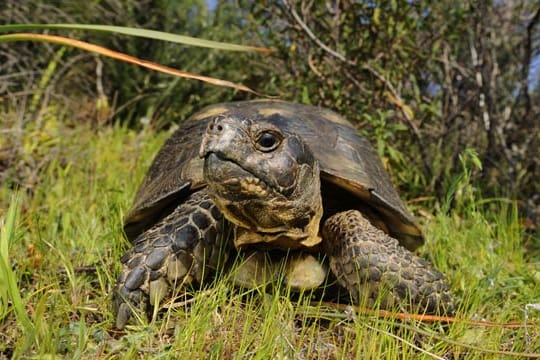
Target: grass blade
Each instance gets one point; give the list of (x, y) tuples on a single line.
[(8, 279), (150, 34)]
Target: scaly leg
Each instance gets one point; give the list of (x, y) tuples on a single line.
[(183, 247), (370, 263)]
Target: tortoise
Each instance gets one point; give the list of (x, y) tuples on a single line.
[(291, 179)]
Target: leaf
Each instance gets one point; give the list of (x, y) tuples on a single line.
[(376, 16), (150, 34), (407, 109)]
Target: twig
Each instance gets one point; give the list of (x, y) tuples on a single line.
[(423, 317), (312, 35), (528, 51)]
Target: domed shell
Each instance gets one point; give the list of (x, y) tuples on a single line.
[(346, 159)]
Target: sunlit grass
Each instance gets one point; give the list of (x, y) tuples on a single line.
[(68, 242)]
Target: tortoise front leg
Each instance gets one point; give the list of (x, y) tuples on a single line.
[(181, 248), (371, 265)]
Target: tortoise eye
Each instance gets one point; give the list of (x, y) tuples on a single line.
[(267, 141)]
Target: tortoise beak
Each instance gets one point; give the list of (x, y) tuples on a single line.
[(221, 136)]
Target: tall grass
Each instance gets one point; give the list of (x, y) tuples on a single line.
[(60, 257)]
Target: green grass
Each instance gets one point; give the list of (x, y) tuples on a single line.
[(65, 243)]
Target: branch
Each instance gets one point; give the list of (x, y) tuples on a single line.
[(527, 59), (310, 33)]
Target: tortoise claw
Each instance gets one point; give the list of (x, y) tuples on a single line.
[(129, 298), (123, 315)]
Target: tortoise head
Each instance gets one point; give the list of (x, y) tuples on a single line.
[(264, 181)]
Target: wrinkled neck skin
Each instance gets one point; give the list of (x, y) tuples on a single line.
[(295, 220)]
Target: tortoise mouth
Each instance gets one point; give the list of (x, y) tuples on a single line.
[(250, 185), (233, 181)]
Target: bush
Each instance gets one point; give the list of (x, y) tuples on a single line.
[(424, 80)]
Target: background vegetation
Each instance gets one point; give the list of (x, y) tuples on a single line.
[(447, 91)]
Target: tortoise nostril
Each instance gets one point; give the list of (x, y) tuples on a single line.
[(215, 127)]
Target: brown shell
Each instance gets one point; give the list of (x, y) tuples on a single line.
[(346, 160)]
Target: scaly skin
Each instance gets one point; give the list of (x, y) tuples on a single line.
[(181, 248), (369, 264)]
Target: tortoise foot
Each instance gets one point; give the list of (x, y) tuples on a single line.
[(179, 250), (373, 266)]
